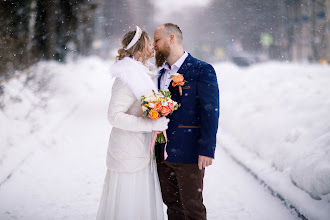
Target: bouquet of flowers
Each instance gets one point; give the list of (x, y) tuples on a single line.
[(156, 105)]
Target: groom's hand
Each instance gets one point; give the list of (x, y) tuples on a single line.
[(204, 161)]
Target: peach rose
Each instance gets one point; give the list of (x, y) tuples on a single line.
[(177, 78), (165, 110), (154, 115), (158, 106), (171, 106)]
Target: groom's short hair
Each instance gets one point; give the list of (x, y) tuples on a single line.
[(174, 29)]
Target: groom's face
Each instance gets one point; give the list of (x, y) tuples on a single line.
[(161, 47)]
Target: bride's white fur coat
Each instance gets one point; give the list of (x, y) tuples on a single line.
[(128, 149)]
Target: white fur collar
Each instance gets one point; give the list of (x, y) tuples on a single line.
[(135, 75)]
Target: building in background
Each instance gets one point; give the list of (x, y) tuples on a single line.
[(308, 24), (293, 30)]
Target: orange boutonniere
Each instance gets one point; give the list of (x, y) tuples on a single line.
[(178, 80)]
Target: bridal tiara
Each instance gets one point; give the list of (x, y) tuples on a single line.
[(135, 38)]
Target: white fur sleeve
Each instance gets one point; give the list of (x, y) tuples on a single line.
[(121, 101), (134, 74)]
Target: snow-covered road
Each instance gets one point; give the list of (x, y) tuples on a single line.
[(232, 193), (63, 178)]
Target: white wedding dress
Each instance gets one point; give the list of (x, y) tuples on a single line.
[(129, 196), (131, 188)]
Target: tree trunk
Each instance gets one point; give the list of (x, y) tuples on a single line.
[(32, 22), (314, 46), (51, 29)]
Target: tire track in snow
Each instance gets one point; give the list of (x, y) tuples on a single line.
[(53, 128), (264, 184)]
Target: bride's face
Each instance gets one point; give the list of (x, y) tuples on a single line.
[(146, 53), (149, 50)]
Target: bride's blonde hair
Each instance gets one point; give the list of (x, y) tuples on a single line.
[(138, 46)]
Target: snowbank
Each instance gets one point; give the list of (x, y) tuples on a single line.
[(35, 103), (281, 113)]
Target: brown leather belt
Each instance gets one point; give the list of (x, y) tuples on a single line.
[(184, 126)]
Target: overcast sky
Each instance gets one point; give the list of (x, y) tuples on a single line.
[(180, 3), (168, 6)]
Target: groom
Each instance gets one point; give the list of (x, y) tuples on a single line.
[(192, 128)]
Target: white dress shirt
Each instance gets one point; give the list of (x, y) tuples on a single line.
[(166, 80)]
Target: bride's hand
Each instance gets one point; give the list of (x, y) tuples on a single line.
[(161, 124)]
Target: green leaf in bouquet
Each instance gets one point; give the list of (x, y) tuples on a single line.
[(168, 93), (177, 106), (145, 113)]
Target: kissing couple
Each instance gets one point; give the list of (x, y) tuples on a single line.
[(138, 181)]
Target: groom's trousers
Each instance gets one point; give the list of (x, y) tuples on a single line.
[(182, 187)]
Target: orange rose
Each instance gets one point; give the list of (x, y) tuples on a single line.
[(165, 110), (158, 106), (171, 106), (179, 83), (154, 115), (177, 78)]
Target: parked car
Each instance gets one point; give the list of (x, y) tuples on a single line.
[(245, 60)]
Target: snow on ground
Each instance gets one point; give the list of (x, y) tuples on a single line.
[(23, 109), (232, 193), (62, 178), (54, 140), (280, 113), (278, 181), (36, 104)]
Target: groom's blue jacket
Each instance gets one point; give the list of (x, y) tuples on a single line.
[(193, 127)]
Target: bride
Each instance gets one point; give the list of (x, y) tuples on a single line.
[(131, 188)]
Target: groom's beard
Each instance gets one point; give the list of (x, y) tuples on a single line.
[(161, 56)]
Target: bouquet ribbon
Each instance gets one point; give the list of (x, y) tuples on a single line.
[(153, 141)]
